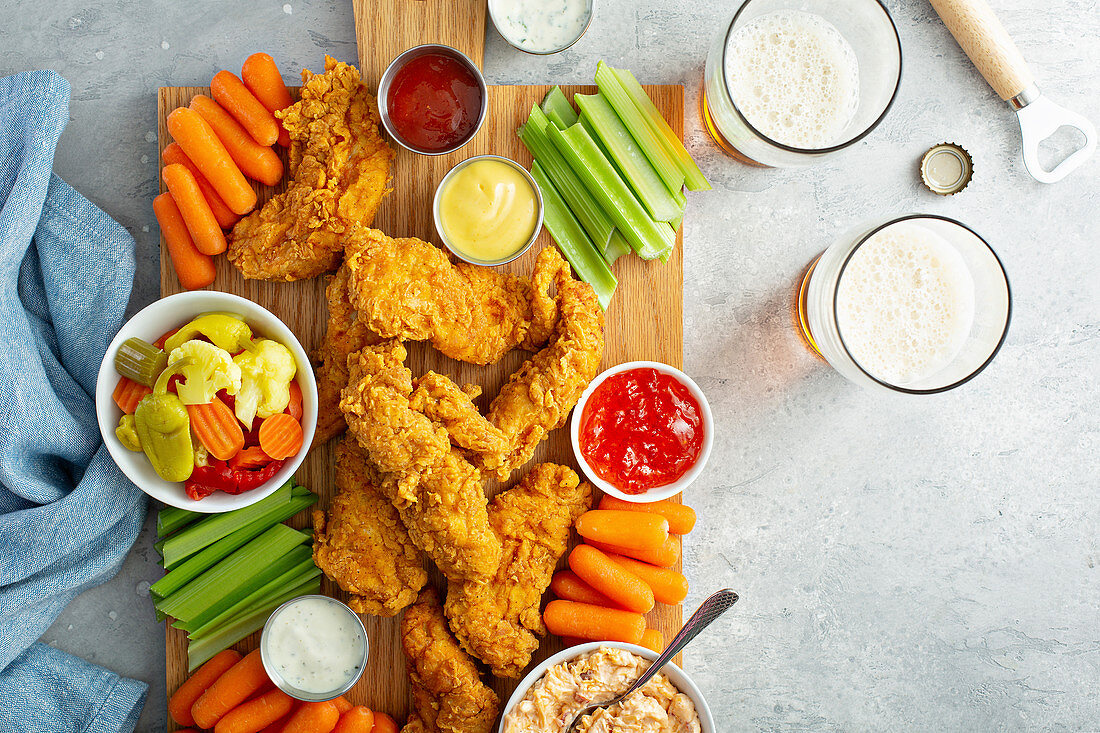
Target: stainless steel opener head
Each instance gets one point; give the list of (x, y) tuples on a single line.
[(1039, 119)]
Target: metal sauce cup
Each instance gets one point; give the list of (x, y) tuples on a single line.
[(443, 234), (416, 52), (513, 44)]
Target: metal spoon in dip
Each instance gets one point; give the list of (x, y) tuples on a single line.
[(712, 608)]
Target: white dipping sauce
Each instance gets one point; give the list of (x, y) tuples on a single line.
[(541, 25), (315, 645)]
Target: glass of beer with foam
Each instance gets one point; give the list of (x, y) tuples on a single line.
[(790, 81), (918, 305)]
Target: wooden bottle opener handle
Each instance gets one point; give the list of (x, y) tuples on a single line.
[(987, 43)]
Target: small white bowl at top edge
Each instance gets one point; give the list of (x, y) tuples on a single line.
[(151, 323), (658, 493), (678, 677), (513, 44)]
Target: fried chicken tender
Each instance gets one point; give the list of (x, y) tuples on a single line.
[(499, 621), (442, 401), (437, 492), (362, 544), (339, 170), (410, 289), (448, 694), (538, 396)]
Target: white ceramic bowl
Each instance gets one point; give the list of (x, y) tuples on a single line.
[(676, 676), (152, 322), (658, 493)]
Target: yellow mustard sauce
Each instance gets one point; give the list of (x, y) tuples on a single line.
[(488, 210)]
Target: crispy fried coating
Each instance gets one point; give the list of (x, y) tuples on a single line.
[(362, 543), (410, 289), (499, 622), (339, 170), (448, 694), (444, 402)]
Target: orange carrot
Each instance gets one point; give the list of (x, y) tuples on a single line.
[(294, 407), (179, 706), (235, 98), (357, 720), (254, 160), (654, 640), (128, 394), (262, 77), (626, 589), (342, 704), (567, 585), (173, 154), (256, 714), (626, 529), (313, 717), (206, 151), (280, 436), (230, 690), (249, 458), (218, 428), (194, 269), (596, 623), (383, 724), (668, 586), (159, 343), (681, 518), (205, 230), (664, 556)]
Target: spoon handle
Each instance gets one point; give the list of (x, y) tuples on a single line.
[(713, 607)]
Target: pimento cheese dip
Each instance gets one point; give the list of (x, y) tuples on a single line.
[(566, 688)]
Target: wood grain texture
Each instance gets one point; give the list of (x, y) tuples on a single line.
[(644, 322), (987, 43)]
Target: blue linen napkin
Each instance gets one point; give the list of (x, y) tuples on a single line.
[(68, 516)]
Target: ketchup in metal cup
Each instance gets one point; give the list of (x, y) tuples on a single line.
[(434, 102), (641, 429)]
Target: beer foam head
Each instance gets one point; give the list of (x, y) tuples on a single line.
[(905, 304), (794, 77)]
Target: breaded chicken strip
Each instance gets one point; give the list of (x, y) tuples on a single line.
[(499, 622), (362, 544), (444, 402), (448, 694)]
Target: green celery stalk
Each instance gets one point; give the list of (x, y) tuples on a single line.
[(159, 547), (208, 556), (649, 238), (591, 130), (231, 573), (616, 248), (572, 241), (628, 157), (206, 532), (596, 222), (303, 571), (171, 518), (558, 109), (693, 176)]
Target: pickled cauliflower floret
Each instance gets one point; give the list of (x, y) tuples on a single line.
[(207, 371), (266, 372)]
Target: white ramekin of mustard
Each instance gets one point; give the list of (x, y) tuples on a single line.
[(314, 648), (488, 210)]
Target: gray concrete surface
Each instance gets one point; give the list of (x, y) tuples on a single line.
[(904, 563)]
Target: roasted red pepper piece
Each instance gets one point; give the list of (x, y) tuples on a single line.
[(218, 476), (248, 480)]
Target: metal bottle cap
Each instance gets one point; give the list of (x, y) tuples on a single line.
[(946, 169)]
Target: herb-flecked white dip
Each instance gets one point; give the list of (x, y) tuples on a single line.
[(315, 645), (541, 25)]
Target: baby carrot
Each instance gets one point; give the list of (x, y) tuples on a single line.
[(256, 714), (664, 556), (230, 690), (194, 269), (206, 151), (567, 585), (173, 153), (262, 77), (654, 640), (626, 529), (294, 407), (668, 586), (681, 518), (205, 230), (596, 623), (128, 394), (234, 97), (626, 589), (217, 428), (254, 160), (342, 704), (357, 720), (179, 706), (383, 724), (280, 436), (313, 717)]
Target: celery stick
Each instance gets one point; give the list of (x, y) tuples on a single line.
[(694, 177), (571, 240), (591, 130), (628, 157), (303, 571), (171, 518), (650, 239), (208, 556), (231, 573), (558, 109), (616, 248), (187, 542), (596, 222)]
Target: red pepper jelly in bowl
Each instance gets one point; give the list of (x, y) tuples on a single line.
[(642, 431)]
